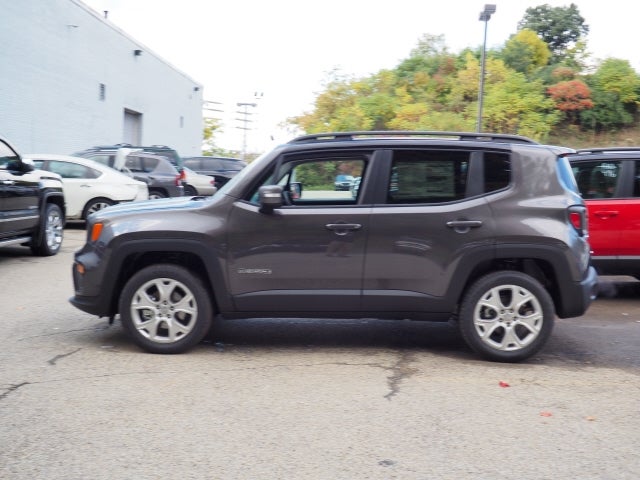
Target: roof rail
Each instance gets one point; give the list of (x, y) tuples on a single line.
[(607, 150), (396, 134)]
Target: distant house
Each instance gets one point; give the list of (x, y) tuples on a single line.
[(71, 79)]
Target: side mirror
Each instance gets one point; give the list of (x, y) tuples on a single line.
[(270, 198), (27, 165)]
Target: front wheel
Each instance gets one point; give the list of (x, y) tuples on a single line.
[(165, 309), (506, 316)]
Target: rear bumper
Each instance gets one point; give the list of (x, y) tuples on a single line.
[(580, 296)]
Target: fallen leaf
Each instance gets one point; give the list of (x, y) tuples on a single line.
[(545, 414), (591, 419), (504, 384)]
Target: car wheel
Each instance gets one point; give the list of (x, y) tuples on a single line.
[(49, 238), (189, 191), (165, 309), (506, 316), (95, 205), (155, 194)]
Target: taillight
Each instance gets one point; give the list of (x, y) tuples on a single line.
[(578, 218), (181, 177)]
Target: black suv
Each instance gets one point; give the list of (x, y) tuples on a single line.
[(158, 166), (31, 204), (485, 230)]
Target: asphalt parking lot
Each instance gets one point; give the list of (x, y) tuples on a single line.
[(310, 399)]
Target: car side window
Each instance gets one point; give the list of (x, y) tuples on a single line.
[(596, 179), (192, 163), (72, 170), (636, 181), (427, 176), (310, 182)]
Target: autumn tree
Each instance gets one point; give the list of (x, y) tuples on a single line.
[(571, 97)]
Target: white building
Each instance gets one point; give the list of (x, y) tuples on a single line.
[(71, 80)]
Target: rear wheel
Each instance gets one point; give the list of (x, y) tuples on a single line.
[(189, 191), (48, 240), (155, 194), (165, 309), (506, 316), (95, 205)]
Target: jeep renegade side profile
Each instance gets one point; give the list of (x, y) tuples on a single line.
[(486, 230)]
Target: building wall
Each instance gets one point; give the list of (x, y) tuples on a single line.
[(54, 57)]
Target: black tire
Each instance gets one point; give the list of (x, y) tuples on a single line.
[(48, 240), (189, 191), (172, 319), (95, 205), (155, 194), (506, 316)]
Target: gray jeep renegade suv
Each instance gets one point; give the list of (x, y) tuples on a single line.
[(485, 230)]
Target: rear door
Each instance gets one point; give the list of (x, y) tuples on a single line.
[(428, 219)]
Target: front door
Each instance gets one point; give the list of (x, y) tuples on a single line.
[(307, 255)]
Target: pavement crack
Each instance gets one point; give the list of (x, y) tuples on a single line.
[(58, 357), (400, 370), (12, 388)]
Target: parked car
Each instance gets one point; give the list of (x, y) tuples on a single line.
[(221, 168), (609, 181), (161, 177), (355, 185), (343, 182), (32, 204), (444, 228), (106, 154), (90, 186), (197, 184)]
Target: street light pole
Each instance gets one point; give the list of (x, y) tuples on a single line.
[(485, 15)]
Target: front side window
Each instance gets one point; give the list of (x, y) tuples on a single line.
[(318, 181), (596, 179), (427, 176)]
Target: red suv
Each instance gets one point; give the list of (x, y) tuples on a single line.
[(609, 181)]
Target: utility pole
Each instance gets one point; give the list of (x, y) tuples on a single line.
[(246, 120)]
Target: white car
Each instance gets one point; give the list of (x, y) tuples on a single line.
[(198, 184), (89, 186)]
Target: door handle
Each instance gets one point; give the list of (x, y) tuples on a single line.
[(463, 226), (604, 214), (342, 228)]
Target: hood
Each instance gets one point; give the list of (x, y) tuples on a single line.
[(151, 206)]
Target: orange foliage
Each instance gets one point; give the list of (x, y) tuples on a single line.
[(571, 96)]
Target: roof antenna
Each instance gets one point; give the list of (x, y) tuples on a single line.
[(106, 13)]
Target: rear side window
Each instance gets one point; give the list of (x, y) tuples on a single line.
[(192, 163), (428, 176), (497, 171)]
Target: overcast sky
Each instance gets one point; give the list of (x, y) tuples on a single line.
[(284, 49)]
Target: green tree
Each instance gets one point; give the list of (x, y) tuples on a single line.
[(525, 52), (615, 90), (559, 27)]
